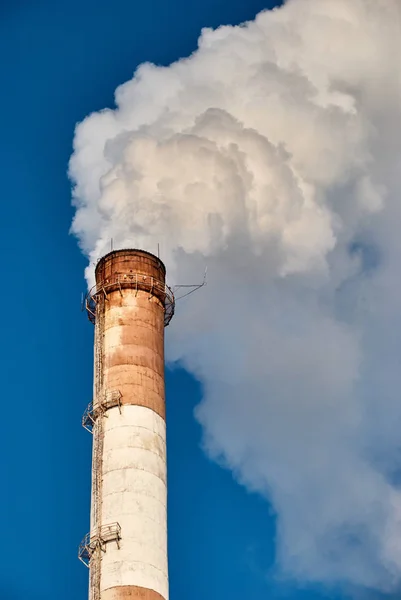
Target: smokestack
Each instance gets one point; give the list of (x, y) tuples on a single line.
[(272, 152), (126, 549)]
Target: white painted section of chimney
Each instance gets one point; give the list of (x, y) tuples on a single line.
[(135, 495)]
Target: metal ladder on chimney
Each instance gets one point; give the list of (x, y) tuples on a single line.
[(97, 460), (94, 543)]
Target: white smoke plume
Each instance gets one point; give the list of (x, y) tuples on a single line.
[(273, 155)]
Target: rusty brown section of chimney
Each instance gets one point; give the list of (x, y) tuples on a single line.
[(131, 593), (134, 326)]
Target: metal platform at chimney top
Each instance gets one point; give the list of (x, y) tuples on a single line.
[(137, 282)]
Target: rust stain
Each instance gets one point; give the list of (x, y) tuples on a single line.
[(130, 592), (133, 359), (138, 262)]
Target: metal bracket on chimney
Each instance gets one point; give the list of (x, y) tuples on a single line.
[(93, 410), (98, 539)]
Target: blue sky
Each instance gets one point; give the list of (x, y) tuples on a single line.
[(61, 61)]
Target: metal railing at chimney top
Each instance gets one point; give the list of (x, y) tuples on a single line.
[(136, 281)]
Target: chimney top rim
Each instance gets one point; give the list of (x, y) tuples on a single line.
[(129, 251)]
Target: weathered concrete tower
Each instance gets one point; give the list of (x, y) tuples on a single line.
[(126, 549)]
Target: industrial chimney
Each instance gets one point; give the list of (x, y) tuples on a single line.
[(126, 549)]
